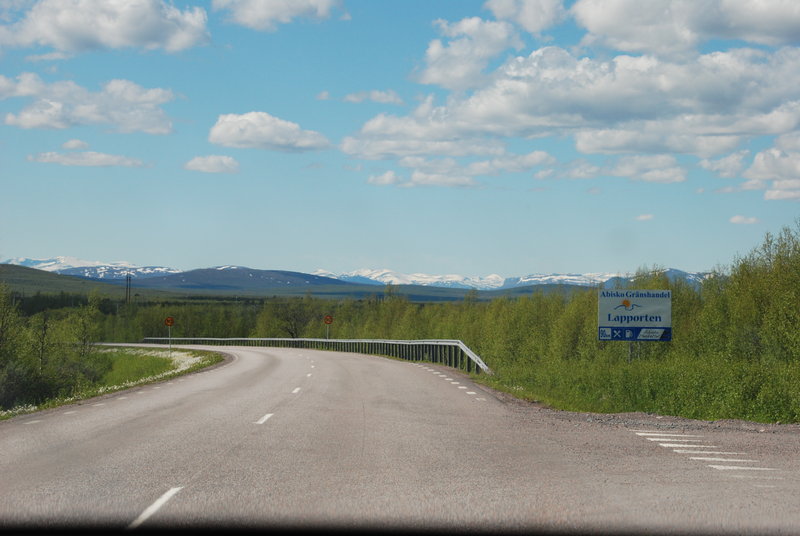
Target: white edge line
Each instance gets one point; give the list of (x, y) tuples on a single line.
[(155, 507), (263, 419)]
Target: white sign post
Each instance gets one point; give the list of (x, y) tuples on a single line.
[(634, 315)]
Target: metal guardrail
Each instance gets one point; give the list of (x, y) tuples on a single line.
[(452, 353)]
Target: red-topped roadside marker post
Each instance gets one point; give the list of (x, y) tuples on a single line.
[(328, 321), (169, 322)]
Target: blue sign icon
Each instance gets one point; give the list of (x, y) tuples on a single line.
[(606, 333)]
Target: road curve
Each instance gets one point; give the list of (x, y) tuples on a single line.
[(302, 438)]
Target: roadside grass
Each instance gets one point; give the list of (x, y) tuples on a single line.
[(131, 367), (711, 389)]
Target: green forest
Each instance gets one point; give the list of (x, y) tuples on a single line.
[(735, 352)]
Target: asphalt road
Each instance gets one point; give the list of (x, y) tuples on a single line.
[(288, 438)]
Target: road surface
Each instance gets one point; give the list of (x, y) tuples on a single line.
[(289, 438)]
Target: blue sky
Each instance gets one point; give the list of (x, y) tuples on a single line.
[(504, 137)]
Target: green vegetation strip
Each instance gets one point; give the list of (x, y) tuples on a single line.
[(130, 367)]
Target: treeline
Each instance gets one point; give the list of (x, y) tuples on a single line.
[(48, 354), (735, 351)]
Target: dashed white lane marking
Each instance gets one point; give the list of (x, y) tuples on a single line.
[(462, 387), (296, 390), (481, 399), (456, 383), (308, 375), (741, 468), (659, 434), (122, 398), (155, 507), (676, 445), (731, 460), (674, 440), (687, 446), (716, 452), (33, 422), (471, 392), (264, 419), (757, 477), (312, 366)]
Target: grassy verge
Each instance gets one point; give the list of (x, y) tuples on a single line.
[(131, 367), (711, 389)]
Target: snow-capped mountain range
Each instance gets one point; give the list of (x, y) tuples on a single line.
[(120, 269), (91, 269), (490, 282)]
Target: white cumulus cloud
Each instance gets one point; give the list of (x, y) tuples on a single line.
[(459, 63), (75, 144), (212, 164), (384, 179), (81, 25), (87, 159), (678, 27), (267, 14), (125, 105), (260, 130), (727, 167), (533, 15), (383, 97), (649, 168), (744, 220)]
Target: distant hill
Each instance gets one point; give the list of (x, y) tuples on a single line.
[(53, 275), (30, 281), (235, 278)]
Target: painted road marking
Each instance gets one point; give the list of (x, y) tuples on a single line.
[(69, 412), (673, 440), (732, 460), (122, 398), (100, 404), (456, 383), (757, 477), (462, 387), (665, 435), (296, 390), (676, 445), (471, 392), (263, 419), (33, 422), (739, 468), (679, 451), (308, 375), (155, 507)]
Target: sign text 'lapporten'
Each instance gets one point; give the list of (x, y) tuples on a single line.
[(634, 315)]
